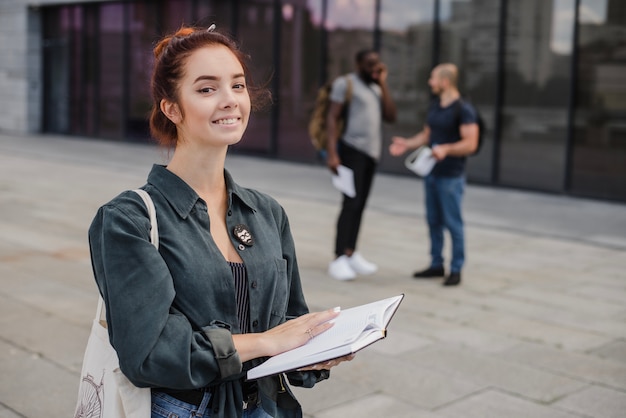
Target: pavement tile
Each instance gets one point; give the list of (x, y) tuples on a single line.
[(595, 401), (568, 318), (610, 294), (7, 413), (376, 405), (615, 350), (496, 404), (537, 331), (488, 370), (43, 334), (579, 304), (584, 367), (414, 383), (38, 387)]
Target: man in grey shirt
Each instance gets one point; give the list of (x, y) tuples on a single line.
[(358, 147)]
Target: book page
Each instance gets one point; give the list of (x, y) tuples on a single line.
[(347, 328), (353, 329)]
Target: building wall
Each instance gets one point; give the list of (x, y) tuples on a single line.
[(14, 66), (20, 66), (555, 115)]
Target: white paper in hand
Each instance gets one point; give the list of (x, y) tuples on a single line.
[(421, 161), (344, 181)]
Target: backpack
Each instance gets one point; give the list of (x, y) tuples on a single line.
[(480, 121), (317, 123)]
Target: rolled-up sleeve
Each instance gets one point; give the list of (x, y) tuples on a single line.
[(224, 349)]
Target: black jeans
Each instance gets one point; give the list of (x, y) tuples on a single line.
[(349, 221)]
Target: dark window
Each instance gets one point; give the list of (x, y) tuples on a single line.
[(599, 153), (555, 115), (536, 96), (56, 74), (112, 67), (406, 47), (469, 39), (255, 31), (300, 58), (142, 24)]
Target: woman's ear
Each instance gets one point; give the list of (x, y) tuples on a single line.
[(171, 110)]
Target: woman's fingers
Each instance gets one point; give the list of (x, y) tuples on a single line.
[(327, 365), (299, 331)]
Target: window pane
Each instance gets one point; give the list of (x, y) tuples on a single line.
[(256, 25), (469, 39), (406, 48), (534, 124), (350, 26), (176, 13), (111, 72), (215, 11), (599, 154), (56, 75), (90, 71), (76, 114), (300, 46), (141, 38)]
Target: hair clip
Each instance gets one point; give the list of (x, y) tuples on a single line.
[(211, 28)]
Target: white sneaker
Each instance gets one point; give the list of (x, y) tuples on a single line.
[(340, 269), (361, 265)]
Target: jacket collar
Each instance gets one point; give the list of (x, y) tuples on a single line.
[(183, 198)]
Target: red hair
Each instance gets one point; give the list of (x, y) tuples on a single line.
[(171, 53)]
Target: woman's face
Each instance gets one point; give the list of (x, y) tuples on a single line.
[(214, 98)]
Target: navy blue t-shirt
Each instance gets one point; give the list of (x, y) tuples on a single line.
[(445, 128)]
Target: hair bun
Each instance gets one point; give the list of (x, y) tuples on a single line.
[(163, 44)]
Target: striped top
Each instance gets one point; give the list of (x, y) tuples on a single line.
[(241, 295)]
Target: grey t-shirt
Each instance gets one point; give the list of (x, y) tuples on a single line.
[(364, 128)]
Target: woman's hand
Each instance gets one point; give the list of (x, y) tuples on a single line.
[(284, 337), (327, 365), (298, 331)]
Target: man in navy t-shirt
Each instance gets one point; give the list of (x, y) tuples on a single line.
[(451, 130)]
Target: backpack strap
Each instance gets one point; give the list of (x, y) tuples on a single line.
[(458, 109), (348, 90)]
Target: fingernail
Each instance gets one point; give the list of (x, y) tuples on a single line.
[(337, 309)]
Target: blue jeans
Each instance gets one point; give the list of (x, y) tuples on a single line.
[(166, 406), (443, 210)]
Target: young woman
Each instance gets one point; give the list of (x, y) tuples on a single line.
[(222, 292)]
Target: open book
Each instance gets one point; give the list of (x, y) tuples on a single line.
[(353, 329)]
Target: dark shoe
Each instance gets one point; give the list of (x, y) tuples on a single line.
[(453, 279), (429, 272)]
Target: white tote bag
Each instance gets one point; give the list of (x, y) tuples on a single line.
[(104, 391)]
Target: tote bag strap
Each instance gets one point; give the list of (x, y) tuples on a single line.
[(154, 230), (154, 235)]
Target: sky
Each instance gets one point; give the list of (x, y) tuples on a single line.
[(591, 11)]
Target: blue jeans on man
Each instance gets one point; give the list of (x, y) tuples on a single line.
[(443, 211)]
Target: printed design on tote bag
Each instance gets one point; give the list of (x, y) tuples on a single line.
[(90, 398)]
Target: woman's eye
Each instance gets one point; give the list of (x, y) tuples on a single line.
[(206, 90), (239, 86)]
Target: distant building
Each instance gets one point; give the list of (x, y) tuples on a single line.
[(549, 80)]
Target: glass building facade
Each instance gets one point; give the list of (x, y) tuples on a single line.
[(548, 76)]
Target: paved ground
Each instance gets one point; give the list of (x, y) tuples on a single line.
[(537, 329)]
